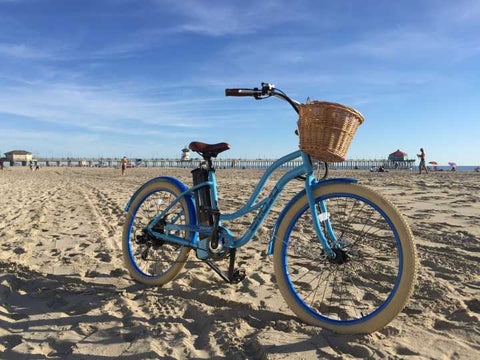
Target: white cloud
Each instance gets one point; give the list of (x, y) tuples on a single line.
[(221, 18), (99, 108), (400, 44), (22, 51)]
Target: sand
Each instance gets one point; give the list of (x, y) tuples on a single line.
[(64, 292)]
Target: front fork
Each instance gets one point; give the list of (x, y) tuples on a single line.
[(322, 217)]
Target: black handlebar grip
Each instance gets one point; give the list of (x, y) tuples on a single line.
[(231, 92)]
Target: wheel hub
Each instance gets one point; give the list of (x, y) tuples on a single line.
[(341, 257), (160, 228), (147, 239)]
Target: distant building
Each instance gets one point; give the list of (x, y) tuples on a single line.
[(18, 156), (185, 154), (398, 156)]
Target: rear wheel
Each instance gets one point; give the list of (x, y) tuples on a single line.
[(372, 276), (149, 260)]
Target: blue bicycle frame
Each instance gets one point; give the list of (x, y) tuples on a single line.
[(264, 206)]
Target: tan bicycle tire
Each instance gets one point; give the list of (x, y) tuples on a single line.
[(405, 287), (184, 253)]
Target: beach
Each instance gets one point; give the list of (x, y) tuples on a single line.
[(65, 293)]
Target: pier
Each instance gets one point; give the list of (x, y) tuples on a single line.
[(353, 164)]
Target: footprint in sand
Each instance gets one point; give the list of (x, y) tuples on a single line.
[(80, 308), (92, 274), (402, 350), (473, 305), (443, 325), (342, 346), (118, 272), (19, 251), (10, 341), (105, 257), (60, 348), (462, 315), (85, 329), (55, 252)]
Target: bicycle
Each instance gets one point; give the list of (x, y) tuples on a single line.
[(344, 257)]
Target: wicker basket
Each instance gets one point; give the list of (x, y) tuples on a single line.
[(327, 129)]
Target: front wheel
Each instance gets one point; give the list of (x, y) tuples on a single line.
[(372, 276)]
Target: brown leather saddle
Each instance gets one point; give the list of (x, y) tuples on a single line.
[(208, 150)]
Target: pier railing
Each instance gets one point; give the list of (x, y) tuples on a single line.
[(363, 164)]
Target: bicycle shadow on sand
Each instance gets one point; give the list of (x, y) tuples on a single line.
[(63, 316), (290, 335)]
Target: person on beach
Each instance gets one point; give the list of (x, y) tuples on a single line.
[(422, 161), (123, 163)]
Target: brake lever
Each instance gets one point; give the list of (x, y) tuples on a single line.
[(266, 92), (262, 95), (267, 88)]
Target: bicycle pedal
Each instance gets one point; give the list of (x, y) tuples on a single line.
[(238, 276)]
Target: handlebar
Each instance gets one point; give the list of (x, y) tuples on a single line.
[(266, 91)]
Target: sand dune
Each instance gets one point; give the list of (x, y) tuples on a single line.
[(64, 292)]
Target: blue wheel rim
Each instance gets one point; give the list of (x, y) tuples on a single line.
[(134, 214), (291, 286)]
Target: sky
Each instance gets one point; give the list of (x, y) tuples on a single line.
[(145, 78)]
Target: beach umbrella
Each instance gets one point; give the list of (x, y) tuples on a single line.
[(434, 163), (452, 164)]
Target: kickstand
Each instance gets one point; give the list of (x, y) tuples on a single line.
[(233, 276), (231, 265)]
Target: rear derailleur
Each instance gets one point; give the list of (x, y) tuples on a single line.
[(148, 240)]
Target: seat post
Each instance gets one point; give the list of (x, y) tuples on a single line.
[(208, 159)]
